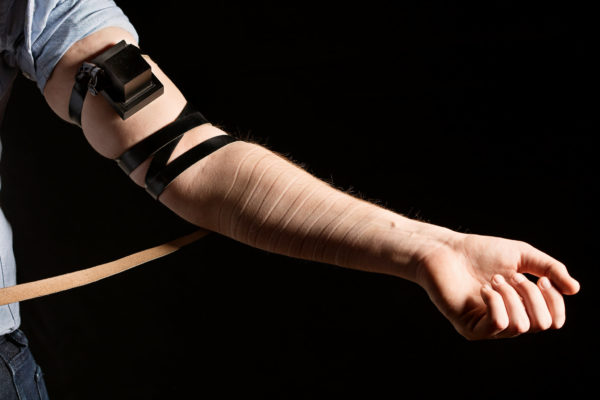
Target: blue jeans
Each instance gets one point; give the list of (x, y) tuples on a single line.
[(20, 377)]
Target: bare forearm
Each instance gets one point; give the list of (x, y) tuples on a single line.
[(251, 194)]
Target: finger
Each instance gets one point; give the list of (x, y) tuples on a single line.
[(541, 264), (535, 304), (554, 301), (517, 315), (496, 318)]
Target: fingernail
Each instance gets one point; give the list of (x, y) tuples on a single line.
[(518, 278), (498, 279), (545, 283), (487, 287)]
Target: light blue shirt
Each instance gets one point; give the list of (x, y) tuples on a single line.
[(34, 35)]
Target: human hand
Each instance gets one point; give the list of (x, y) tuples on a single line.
[(477, 282)]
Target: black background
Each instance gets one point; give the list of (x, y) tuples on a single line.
[(475, 117)]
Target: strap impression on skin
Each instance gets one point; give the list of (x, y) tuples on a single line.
[(126, 81)]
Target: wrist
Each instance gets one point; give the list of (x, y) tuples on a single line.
[(403, 243)]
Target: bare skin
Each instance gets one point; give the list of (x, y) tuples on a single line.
[(251, 194)]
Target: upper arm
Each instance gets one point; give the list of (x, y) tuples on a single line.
[(106, 132)]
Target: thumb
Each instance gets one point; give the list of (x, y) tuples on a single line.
[(538, 263)]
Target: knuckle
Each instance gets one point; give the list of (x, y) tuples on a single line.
[(555, 270), (499, 324), (541, 324), (560, 266), (521, 326)]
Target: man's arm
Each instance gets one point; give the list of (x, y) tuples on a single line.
[(248, 193), (243, 191)]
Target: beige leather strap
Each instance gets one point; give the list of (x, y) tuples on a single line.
[(43, 287)]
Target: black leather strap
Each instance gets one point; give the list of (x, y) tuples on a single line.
[(157, 183), (161, 158), (140, 152), (85, 80), (160, 146)]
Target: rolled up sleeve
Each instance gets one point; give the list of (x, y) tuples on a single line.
[(51, 27)]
